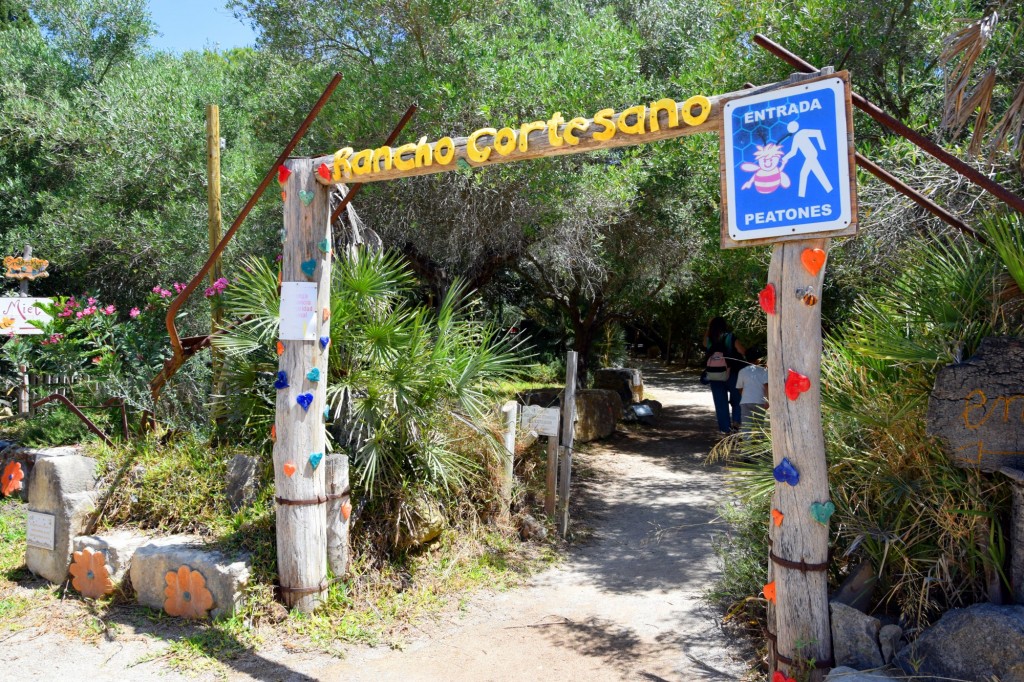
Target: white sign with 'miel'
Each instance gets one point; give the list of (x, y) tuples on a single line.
[(543, 420), (39, 530)]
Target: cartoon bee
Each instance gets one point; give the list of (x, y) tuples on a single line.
[(768, 175), (6, 323)]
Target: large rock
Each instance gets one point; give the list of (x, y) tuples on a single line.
[(426, 521), (226, 577), (628, 383), (977, 644), (242, 477), (889, 639), (846, 674), (597, 412), (64, 487), (855, 638), (975, 407), (118, 547), (27, 458)]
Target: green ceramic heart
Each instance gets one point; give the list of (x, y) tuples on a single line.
[(306, 196), (821, 512), (308, 267), (324, 245)]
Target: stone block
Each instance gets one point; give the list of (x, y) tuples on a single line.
[(628, 383), (597, 412), (980, 642), (241, 481), (855, 638), (27, 458), (64, 486), (118, 546), (226, 577), (889, 639)]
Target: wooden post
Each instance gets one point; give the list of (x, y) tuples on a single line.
[(568, 433), (802, 629), (552, 477), (24, 392), (214, 224), (301, 519), (339, 509), (511, 412)]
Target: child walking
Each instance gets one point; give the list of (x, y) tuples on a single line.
[(752, 383)]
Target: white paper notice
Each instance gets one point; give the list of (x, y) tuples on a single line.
[(298, 311), (39, 530), (542, 420)]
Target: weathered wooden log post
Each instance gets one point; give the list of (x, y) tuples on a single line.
[(510, 411), (302, 380), (568, 434), (339, 511), (799, 553)]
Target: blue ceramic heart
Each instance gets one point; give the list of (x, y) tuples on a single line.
[(308, 267), (313, 374), (306, 196), (324, 342), (821, 512), (786, 472), (327, 413), (304, 400), (282, 380), (324, 245), (314, 459)]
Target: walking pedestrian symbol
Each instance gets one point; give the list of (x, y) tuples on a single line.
[(787, 164)]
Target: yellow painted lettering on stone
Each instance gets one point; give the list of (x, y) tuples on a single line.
[(604, 118), (342, 168), (637, 126), (553, 123), (669, 107), (570, 129), (524, 133), (472, 151), (444, 151), (705, 110), (362, 162), (505, 141), (424, 155), (381, 154), (401, 162)]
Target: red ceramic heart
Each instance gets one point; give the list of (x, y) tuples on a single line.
[(282, 174), (289, 469), (767, 299), (777, 517), (779, 677), (769, 591), (813, 260), (796, 383), (280, 348), (324, 172)]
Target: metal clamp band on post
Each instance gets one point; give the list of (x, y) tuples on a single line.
[(337, 496), (797, 565), (322, 587), (319, 499)]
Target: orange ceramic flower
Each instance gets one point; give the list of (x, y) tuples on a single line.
[(90, 574), (12, 478), (186, 593)]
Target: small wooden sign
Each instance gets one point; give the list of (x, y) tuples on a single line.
[(25, 268), (17, 313), (39, 530), (542, 420), (299, 311)]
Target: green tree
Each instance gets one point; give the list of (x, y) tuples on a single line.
[(14, 14)]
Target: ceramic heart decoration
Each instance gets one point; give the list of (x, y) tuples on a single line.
[(288, 468), (767, 299), (304, 400), (282, 174), (327, 413), (346, 510), (812, 260), (308, 267), (313, 374), (323, 171), (324, 245), (326, 314), (822, 511), (769, 591), (786, 472), (796, 383), (314, 459), (284, 197), (306, 196), (779, 677), (324, 342), (280, 348), (273, 433), (282, 380), (777, 517)]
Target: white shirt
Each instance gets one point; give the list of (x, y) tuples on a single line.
[(752, 380)]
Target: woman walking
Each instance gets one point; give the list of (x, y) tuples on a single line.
[(724, 362)]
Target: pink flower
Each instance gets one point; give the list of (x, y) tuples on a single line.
[(156, 289), (54, 338), (66, 312), (178, 287), (91, 301), (164, 293), (134, 312), (109, 310), (78, 315), (97, 360), (210, 291), (88, 311)]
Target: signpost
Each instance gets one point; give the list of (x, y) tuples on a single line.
[(17, 313)]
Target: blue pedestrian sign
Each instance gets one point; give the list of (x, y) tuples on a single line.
[(787, 161)]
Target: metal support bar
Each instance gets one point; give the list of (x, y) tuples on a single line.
[(78, 413)]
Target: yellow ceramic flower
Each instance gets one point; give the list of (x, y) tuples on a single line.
[(186, 594), (90, 574)]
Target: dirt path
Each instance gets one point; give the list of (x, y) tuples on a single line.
[(625, 605)]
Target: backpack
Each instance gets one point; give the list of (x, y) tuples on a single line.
[(717, 368)]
